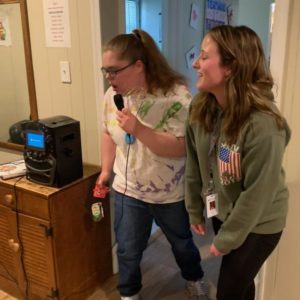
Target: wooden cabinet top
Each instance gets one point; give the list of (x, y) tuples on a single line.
[(46, 191)]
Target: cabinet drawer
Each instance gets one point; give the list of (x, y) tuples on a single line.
[(33, 205), (7, 196), (26, 202)]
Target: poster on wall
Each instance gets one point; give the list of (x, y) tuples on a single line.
[(57, 23), (5, 37), (215, 14), (190, 56), (194, 18)]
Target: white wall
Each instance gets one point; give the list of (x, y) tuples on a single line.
[(179, 36), (253, 14), (151, 19), (112, 20), (282, 271)]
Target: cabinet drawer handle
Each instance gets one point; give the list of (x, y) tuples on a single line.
[(14, 246), (8, 198)]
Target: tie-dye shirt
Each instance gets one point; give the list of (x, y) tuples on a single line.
[(143, 174)]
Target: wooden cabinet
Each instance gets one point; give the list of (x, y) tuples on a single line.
[(50, 248)]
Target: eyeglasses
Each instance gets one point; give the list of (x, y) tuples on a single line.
[(114, 72)]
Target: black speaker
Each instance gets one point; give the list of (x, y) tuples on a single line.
[(53, 151)]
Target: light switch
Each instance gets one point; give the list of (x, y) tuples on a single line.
[(65, 74)]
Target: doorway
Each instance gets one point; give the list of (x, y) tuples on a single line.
[(176, 36)]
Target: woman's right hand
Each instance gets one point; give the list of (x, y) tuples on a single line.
[(103, 179), (199, 228)]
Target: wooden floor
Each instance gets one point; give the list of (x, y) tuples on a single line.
[(4, 296), (161, 277)]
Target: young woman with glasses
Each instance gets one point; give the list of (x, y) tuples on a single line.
[(149, 166)]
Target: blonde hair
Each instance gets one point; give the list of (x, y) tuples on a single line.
[(139, 45), (248, 87)]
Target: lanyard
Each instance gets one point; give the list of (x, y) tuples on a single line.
[(211, 152)]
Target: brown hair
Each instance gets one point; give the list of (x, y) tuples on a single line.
[(248, 87), (139, 45)]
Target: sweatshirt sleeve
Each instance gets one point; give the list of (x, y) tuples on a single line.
[(262, 154), (193, 182)]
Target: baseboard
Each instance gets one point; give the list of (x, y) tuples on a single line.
[(115, 259)]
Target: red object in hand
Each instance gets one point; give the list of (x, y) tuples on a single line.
[(100, 192)]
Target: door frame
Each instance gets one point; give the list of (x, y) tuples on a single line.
[(278, 54)]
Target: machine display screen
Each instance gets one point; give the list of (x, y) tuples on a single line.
[(35, 140)]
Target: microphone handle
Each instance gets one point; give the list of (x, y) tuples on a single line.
[(119, 102)]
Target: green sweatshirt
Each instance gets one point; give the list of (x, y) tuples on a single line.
[(248, 178)]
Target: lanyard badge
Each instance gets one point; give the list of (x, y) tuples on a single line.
[(211, 198), (212, 205), (210, 195)]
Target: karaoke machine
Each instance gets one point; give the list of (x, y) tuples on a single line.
[(53, 151)]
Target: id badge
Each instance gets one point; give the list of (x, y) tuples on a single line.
[(212, 205)]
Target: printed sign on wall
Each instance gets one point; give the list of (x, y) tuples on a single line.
[(57, 24), (215, 14)]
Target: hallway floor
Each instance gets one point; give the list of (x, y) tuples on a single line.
[(4, 296), (161, 277)]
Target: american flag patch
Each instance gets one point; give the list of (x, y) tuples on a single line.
[(229, 161)]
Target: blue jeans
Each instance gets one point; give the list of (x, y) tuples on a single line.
[(133, 223)]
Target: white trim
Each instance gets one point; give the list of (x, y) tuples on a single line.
[(115, 259), (97, 50), (277, 64), (278, 45), (260, 284)]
